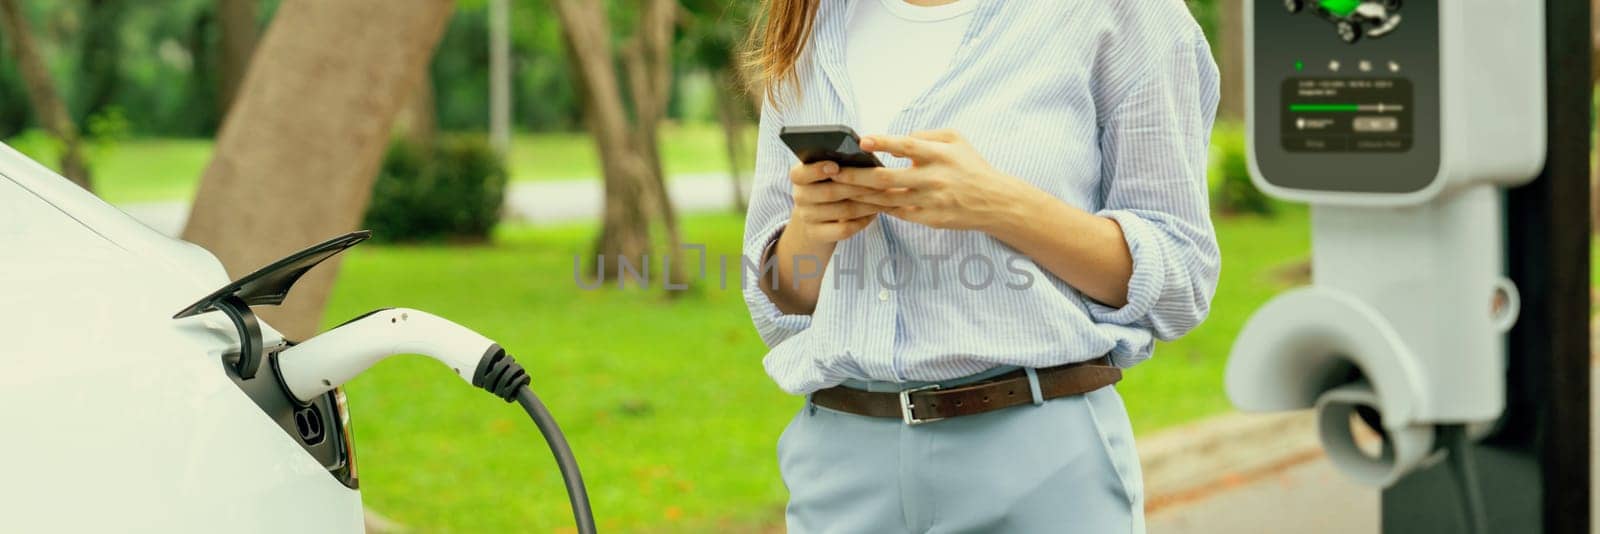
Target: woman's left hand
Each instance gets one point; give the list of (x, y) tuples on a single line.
[(949, 185)]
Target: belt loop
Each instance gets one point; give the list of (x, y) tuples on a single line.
[(811, 407), (1033, 386)]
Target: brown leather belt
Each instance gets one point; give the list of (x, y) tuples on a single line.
[(931, 403)]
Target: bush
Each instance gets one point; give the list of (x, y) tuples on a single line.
[(453, 192), (1235, 193)]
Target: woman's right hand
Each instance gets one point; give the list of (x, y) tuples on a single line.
[(824, 214), (825, 211)]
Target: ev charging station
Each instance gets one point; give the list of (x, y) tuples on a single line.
[(1443, 148)]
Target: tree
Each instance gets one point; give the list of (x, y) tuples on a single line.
[(635, 191), (713, 42), (1230, 15), (731, 114), (500, 76), (237, 21), (296, 157), (418, 121), (1594, 76), (48, 108)]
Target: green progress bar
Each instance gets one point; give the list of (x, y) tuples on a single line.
[(1324, 107)]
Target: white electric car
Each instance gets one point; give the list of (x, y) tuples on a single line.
[(119, 417), (138, 392)]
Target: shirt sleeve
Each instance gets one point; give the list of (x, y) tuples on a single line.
[(767, 215), (1154, 145)]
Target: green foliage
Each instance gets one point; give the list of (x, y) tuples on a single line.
[(104, 130), (542, 85), (452, 191), (110, 124), (1205, 13), (15, 110), (158, 62), (1234, 192)]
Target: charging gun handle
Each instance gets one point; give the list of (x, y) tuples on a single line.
[(330, 359)]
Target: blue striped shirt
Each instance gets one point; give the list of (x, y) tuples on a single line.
[(1105, 104)]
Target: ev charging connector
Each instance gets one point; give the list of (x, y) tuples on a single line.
[(1402, 142), (322, 363), (316, 366), (307, 371)]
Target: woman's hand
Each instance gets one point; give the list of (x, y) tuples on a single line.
[(824, 214), (824, 209), (949, 185)]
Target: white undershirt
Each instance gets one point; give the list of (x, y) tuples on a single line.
[(894, 51)]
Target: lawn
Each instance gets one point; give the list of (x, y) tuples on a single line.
[(146, 169), (664, 400)]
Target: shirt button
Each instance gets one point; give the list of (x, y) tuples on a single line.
[(883, 295)]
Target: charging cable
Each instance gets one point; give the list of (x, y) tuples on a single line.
[(1459, 449), (332, 358)]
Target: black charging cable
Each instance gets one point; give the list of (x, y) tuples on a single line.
[(500, 374), (1465, 473)]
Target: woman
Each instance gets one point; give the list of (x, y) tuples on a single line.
[(1056, 150)]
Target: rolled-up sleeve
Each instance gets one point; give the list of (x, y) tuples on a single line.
[(1154, 143), (768, 214)]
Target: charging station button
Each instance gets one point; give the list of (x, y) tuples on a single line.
[(1326, 143), (1376, 124), (1382, 144)]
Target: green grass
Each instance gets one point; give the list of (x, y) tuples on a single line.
[(1183, 381), (664, 400), (154, 169), (685, 149)]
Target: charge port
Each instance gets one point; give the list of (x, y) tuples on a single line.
[(308, 422)]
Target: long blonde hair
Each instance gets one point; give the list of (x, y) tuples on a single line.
[(776, 41)]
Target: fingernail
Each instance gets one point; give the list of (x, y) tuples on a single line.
[(830, 168)]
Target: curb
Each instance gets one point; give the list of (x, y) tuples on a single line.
[(1195, 460)]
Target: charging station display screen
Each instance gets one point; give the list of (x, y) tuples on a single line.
[(1346, 115), (1346, 94)]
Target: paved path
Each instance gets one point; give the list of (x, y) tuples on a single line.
[(1309, 498), (533, 202)]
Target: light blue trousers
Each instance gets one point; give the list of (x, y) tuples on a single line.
[(1064, 465)]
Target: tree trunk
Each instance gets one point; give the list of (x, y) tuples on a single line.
[(48, 107), (500, 76), (634, 190), (237, 21), (730, 112), (418, 121), (649, 62), (1594, 75), (295, 159), (1230, 14)]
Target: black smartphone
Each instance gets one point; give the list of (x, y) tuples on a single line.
[(827, 142)]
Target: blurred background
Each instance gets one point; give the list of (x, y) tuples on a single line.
[(490, 144)]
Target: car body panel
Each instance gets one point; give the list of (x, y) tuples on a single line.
[(118, 417)]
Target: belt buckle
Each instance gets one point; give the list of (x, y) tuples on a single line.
[(905, 406)]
